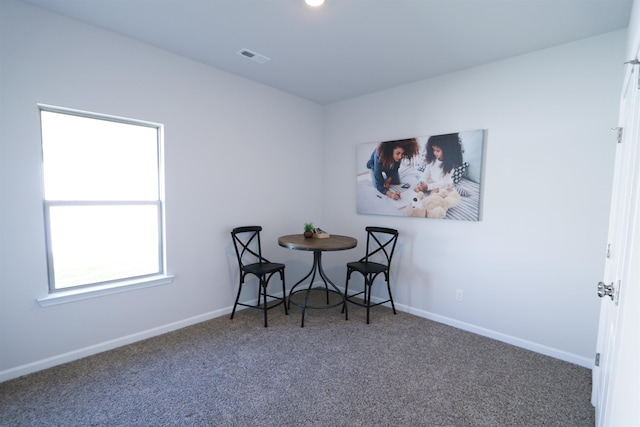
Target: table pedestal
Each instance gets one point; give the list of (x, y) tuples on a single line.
[(317, 268), (331, 243)]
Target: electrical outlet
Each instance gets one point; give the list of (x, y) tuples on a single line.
[(459, 294)]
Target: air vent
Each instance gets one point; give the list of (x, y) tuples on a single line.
[(255, 57)]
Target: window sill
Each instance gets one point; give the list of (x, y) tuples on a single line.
[(71, 295)]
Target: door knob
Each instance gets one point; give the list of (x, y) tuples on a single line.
[(605, 290)]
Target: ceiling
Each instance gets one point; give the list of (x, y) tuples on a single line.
[(348, 48)]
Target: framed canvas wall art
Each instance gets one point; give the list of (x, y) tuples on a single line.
[(436, 176)]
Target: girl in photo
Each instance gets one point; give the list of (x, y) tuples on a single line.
[(443, 155), (385, 162)]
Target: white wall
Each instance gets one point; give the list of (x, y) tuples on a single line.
[(235, 151), (529, 268)]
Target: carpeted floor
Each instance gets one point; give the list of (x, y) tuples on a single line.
[(399, 370)]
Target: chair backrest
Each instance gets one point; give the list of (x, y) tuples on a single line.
[(246, 241), (381, 243)]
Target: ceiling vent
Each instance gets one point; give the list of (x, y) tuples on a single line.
[(255, 57)]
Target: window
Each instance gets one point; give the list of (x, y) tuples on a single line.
[(103, 199)]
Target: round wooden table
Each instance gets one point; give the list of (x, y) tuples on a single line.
[(331, 243)]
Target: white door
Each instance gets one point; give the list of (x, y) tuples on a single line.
[(616, 378)]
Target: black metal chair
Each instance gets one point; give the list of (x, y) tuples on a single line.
[(381, 242), (246, 241)]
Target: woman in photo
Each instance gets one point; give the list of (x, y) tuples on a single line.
[(385, 162), (443, 155)]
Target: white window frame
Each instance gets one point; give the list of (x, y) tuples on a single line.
[(78, 292)]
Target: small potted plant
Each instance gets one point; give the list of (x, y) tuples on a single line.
[(308, 229)]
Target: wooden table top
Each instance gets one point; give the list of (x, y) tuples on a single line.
[(332, 243)]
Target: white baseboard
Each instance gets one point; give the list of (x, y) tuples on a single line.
[(107, 345), (518, 342), (129, 339), (478, 330)]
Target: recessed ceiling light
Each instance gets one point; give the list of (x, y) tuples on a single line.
[(314, 3)]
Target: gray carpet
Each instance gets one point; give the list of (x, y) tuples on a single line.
[(399, 370)]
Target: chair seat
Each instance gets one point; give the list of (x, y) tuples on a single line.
[(261, 268), (366, 267)]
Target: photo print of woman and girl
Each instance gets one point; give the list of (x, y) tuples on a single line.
[(439, 176)]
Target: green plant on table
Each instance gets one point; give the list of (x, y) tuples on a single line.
[(308, 226)]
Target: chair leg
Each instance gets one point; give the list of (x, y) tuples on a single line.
[(284, 294), (263, 287), (346, 290), (390, 297), (237, 299), (367, 296)]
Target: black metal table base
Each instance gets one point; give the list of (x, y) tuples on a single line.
[(317, 269)]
